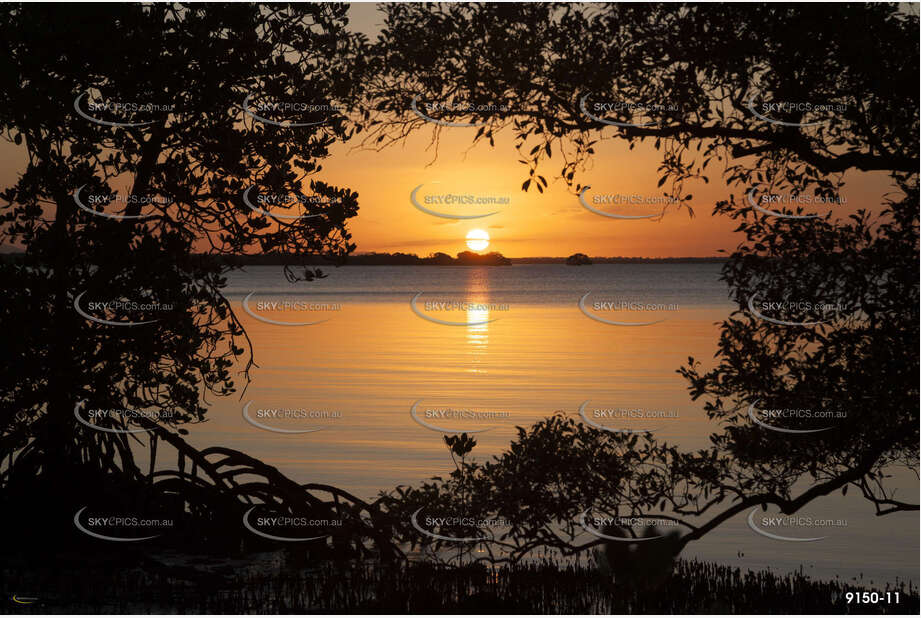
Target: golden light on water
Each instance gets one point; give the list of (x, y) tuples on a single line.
[(477, 338), (477, 240), (478, 318)]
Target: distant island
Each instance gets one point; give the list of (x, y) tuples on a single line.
[(618, 260), (464, 258), (578, 259)]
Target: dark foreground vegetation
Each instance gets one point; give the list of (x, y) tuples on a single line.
[(545, 588), (858, 353)]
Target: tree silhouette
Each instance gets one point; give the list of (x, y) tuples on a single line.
[(201, 110), (150, 133), (684, 76), (711, 87)]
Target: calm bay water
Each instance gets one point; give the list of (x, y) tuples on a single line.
[(523, 351)]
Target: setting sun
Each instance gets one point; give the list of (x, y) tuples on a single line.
[(477, 240)]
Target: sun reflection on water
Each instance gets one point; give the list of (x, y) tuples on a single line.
[(477, 294)]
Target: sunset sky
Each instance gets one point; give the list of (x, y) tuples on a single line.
[(533, 224)]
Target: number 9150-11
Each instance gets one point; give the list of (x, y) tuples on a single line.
[(872, 597)]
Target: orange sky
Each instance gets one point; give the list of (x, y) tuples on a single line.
[(533, 224), (548, 224)]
